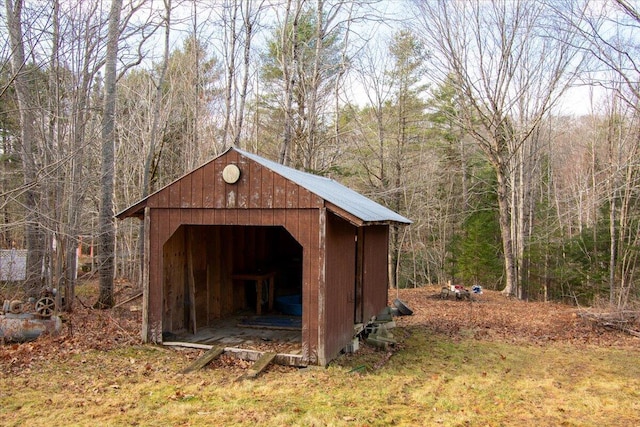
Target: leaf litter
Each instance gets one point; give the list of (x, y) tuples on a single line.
[(489, 316)]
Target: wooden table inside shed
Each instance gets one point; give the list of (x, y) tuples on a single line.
[(260, 278)]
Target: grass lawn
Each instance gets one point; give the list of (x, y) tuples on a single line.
[(493, 362), (431, 380)]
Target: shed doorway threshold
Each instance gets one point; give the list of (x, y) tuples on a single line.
[(247, 337)]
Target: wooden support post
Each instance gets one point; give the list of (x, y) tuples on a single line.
[(146, 327), (191, 279), (204, 359)]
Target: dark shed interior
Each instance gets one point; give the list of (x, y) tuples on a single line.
[(202, 264)]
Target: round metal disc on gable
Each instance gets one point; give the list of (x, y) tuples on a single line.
[(231, 174)]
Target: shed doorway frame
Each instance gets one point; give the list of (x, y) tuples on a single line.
[(200, 260)]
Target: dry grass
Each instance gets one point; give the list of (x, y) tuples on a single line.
[(455, 366)]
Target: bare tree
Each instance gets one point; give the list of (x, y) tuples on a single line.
[(106, 227), (230, 19), (120, 27), (250, 16), (34, 235), (288, 56), (610, 33), (239, 19), (510, 63), (155, 133)]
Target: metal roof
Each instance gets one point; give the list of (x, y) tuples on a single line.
[(332, 191), (345, 199)]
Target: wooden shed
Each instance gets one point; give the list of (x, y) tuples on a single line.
[(241, 219)]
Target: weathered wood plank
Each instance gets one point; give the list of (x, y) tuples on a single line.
[(145, 275), (174, 195), (359, 292), (284, 359), (255, 185), (260, 365), (185, 190), (208, 185), (314, 285), (267, 188), (253, 355), (157, 225), (204, 359), (242, 186), (279, 192), (215, 263), (173, 284), (304, 198), (243, 217), (292, 191), (197, 183), (191, 279), (219, 186), (187, 345)]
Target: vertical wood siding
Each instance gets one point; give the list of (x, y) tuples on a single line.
[(340, 284), (203, 201), (375, 278), (218, 251)]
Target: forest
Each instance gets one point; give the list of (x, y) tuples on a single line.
[(507, 131)]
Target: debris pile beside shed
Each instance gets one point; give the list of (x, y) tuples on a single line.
[(21, 322)]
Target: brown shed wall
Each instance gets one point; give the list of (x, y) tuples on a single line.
[(260, 198), (339, 298), (375, 278), (257, 188)]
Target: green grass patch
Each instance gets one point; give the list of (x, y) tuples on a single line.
[(431, 380)]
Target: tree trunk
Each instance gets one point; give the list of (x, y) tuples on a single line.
[(106, 226), (248, 36), (511, 275), (53, 187), (230, 58), (154, 135), (289, 52), (34, 235)]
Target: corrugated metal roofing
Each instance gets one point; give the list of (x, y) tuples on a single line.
[(332, 191)]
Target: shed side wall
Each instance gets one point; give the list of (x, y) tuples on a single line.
[(375, 277), (340, 284)]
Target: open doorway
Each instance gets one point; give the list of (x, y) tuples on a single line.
[(232, 283)]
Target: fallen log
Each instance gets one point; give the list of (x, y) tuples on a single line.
[(620, 320), (136, 296)]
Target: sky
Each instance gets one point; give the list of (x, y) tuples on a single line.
[(577, 101)]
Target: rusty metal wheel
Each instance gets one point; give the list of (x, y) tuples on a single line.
[(45, 307), (15, 307)]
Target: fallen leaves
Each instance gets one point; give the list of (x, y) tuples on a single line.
[(83, 329), (491, 316), (496, 317)]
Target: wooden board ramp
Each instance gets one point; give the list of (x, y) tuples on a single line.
[(206, 358), (245, 354), (258, 366)]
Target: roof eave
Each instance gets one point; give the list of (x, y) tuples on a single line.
[(357, 221), (136, 210)]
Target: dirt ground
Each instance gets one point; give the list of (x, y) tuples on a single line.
[(490, 316)]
